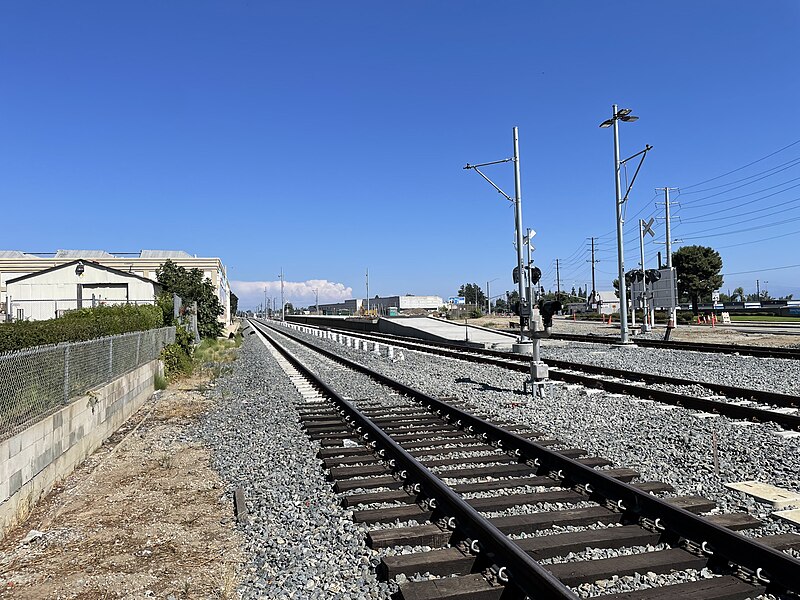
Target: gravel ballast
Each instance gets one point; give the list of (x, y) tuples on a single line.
[(301, 543), (695, 455)]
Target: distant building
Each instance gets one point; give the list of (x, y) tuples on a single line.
[(15, 263), (604, 303), (348, 307), (77, 284), (383, 305)]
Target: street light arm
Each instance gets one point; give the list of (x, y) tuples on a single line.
[(647, 148), (486, 164), (643, 153), (492, 183)]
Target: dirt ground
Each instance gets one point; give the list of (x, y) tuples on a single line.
[(144, 517), (691, 333)]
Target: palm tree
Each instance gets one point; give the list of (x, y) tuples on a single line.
[(739, 293)]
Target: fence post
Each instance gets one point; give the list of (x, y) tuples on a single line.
[(110, 358), (66, 374), (138, 346)]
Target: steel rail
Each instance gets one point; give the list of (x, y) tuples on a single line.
[(781, 570), (515, 362), (785, 400), (757, 351), (495, 547)]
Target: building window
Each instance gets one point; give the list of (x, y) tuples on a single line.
[(20, 314)]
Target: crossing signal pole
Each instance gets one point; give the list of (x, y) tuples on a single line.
[(668, 242), (644, 228)]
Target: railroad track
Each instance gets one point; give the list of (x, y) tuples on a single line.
[(425, 473), (733, 402), (758, 351)]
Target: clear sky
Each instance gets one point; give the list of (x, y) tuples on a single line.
[(326, 138)]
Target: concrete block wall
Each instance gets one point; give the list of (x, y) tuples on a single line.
[(32, 461)]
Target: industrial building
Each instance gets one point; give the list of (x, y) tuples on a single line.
[(16, 263), (78, 284), (387, 305)]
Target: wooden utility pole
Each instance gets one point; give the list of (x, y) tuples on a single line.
[(558, 281)]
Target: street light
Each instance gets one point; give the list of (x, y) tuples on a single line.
[(622, 114), (489, 296)]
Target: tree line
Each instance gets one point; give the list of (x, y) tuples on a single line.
[(698, 270)]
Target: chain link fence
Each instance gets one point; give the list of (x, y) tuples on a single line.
[(37, 381)]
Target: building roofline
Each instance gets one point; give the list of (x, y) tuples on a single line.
[(86, 262)]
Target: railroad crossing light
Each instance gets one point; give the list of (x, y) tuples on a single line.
[(652, 275), (536, 275), (515, 274), (547, 310), (632, 276)]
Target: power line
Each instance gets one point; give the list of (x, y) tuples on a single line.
[(760, 270), (777, 169), (766, 239), (766, 225), (686, 187), (747, 214), (772, 187)]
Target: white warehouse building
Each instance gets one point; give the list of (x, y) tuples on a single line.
[(145, 263), (49, 293)]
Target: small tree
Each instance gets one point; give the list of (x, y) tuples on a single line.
[(191, 287), (698, 270), (473, 294), (234, 304)]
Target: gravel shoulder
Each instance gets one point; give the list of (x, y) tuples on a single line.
[(144, 516)]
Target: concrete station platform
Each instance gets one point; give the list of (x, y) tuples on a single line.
[(424, 328), (440, 330)]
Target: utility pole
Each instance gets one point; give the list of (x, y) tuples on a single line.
[(367, 290), (283, 304), (593, 261), (316, 294), (758, 290), (265, 302), (558, 282)]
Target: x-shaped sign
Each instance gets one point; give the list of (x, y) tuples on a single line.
[(646, 227)]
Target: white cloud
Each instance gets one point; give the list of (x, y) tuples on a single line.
[(299, 293)]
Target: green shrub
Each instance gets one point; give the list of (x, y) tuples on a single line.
[(80, 325), (160, 382), (177, 357)]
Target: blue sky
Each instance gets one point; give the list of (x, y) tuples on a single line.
[(327, 138)]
